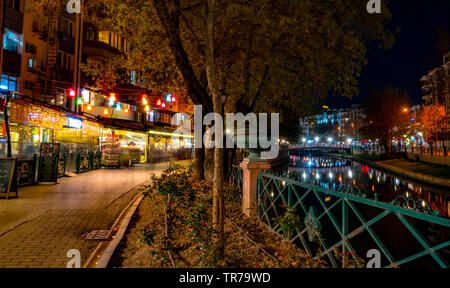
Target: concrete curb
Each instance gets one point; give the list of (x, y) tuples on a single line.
[(445, 183), (102, 254)]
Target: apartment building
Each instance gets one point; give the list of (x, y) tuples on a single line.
[(436, 85)]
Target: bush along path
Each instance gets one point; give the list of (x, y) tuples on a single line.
[(173, 229)]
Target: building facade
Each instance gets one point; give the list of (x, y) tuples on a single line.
[(39, 69), (436, 85), (336, 124)]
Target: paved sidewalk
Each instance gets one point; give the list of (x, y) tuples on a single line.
[(38, 228)]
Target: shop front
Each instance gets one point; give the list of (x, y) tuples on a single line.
[(123, 147), (30, 125), (80, 144), (167, 146)]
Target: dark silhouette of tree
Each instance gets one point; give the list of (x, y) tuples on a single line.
[(387, 116)]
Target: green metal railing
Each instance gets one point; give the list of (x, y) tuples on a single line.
[(406, 232)]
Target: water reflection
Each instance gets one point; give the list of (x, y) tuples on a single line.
[(331, 173)]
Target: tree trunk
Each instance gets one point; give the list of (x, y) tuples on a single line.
[(218, 201), (208, 165), (199, 158)]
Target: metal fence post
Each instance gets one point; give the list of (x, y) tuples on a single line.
[(344, 230)]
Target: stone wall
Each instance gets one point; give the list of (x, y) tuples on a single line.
[(434, 159)]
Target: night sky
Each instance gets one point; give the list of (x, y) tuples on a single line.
[(412, 55)]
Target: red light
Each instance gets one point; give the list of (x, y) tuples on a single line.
[(163, 105), (174, 99), (72, 92)]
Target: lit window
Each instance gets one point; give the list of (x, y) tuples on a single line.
[(133, 77), (103, 36), (11, 41), (9, 81)]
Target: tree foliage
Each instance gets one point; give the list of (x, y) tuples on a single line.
[(434, 119)]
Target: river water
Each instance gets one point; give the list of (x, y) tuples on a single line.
[(331, 172)]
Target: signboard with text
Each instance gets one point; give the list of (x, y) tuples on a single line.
[(49, 162), (7, 174)]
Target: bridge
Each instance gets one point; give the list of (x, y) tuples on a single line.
[(322, 147)]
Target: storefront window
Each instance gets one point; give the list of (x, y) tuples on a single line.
[(133, 145)]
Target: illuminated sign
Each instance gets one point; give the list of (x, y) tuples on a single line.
[(86, 95), (75, 123)]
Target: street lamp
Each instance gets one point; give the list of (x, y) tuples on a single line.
[(330, 139), (405, 110), (316, 139)]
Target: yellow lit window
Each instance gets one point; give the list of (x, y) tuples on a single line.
[(103, 36)]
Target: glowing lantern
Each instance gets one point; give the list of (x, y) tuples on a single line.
[(174, 99), (89, 107), (105, 111), (163, 105), (72, 92), (159, 102), (147, 108)]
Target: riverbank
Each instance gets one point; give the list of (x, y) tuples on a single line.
[(425, 172)]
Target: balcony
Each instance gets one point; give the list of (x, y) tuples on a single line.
[(14, 20), (11, 62), (66, 43), (99, 49)]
